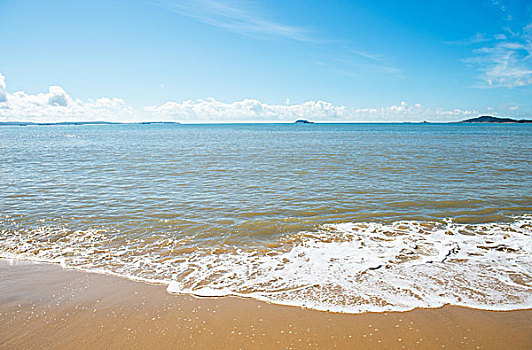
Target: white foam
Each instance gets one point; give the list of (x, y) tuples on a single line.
[(346, 267)]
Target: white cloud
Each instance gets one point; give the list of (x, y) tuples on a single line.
[(58, 97), (405, 112), (3, 90), (504, 61), (247, 110), (57, 106), (212, 110)]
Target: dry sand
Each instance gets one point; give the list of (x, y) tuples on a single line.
[(45, 307)]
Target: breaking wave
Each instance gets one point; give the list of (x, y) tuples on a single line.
[(343, 267)]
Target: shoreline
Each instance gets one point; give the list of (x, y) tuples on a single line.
[(166, 285), (43, 305), (177, 123)]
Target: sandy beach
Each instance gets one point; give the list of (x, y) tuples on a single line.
[(43, 306), (231, 174)]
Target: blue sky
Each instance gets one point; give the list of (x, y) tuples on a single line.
[(206, 60)]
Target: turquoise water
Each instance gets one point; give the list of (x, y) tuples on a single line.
[(217, 209)]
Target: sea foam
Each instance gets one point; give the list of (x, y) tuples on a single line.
[(341, 267)]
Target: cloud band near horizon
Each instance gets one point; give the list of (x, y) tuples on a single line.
[(57, 105)]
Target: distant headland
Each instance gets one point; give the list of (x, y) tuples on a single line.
[(490, 119), (303, 121)]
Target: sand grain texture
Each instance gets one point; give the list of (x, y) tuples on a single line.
[(45, 307)]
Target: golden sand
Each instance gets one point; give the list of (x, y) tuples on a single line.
[(45, 307)]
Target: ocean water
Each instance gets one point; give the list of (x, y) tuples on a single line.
[(341, 217)]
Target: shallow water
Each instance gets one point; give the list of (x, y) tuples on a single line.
[(343, 217)]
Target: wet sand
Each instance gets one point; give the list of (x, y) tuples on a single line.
[(43, 306)]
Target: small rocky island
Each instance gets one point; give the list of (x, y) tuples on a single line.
[(490, 119), (303, 121)]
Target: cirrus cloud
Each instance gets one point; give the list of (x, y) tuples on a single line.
[(235, 16)]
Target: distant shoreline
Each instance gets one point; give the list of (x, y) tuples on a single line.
[(78, 123), (478, 120)]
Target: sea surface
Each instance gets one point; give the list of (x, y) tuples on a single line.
[(340, 217)]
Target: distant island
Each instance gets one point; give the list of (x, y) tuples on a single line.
[(490, 119), (481, 119), (78, 123)]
